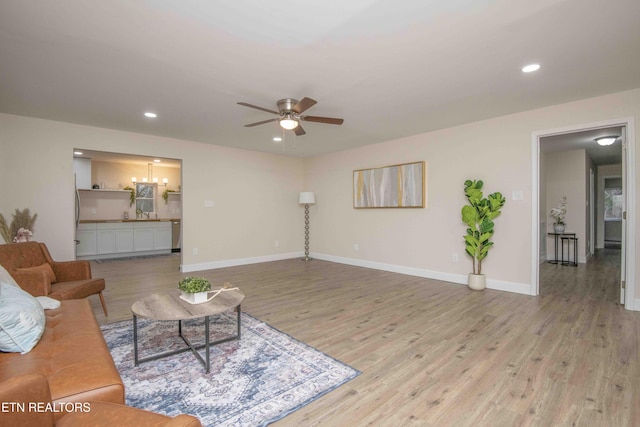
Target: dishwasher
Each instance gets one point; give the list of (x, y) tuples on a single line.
[(175, 236)]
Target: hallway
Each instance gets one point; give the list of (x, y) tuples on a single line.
[(597, 280)]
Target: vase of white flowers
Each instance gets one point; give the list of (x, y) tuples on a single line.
[(558, 213)]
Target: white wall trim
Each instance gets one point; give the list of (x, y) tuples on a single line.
[(498, 285), (213, 265), (629, 122), (636, 305)]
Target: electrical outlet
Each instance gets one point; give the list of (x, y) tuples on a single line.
[(454, 257), (209, 203), (276, 244), (195, 251), (356, 247), (517, 195), (93, 211)]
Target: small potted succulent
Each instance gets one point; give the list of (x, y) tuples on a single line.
[(194, 289)]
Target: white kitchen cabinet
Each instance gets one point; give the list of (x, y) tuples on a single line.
[(124, 240), (142, 239), (106, 240), (128, 238), (82, 170), (162, 237), (87, 242)]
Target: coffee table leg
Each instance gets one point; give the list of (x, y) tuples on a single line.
[(207, 342), (239, 311), (135, 339)]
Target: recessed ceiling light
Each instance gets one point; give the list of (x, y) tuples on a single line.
[(78, 153), (150, 115), (157, 160), (277, 139), (530, 68), (606, 140)]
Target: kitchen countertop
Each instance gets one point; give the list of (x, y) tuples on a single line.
[(90, 221)]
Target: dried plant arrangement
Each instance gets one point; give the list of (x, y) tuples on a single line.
[(4, 230), (21, 219)]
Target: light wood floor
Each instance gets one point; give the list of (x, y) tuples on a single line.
[(434, 353)]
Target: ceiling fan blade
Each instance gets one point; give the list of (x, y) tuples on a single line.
[(250, 125), (328, 120), (244, 104), (304, 105), (299, 131)]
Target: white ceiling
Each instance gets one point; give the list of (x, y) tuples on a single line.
[(390, 69), (586, 140)]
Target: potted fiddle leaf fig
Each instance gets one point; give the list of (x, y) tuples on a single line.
[(194, 289), (479, 215)]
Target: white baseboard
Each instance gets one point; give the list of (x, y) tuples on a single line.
[(187, 268), (499, 285), (636, 305)]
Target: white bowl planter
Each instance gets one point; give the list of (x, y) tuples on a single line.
[(477, 282), (195, 298)]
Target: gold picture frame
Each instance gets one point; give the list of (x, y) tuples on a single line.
[(395, 186)]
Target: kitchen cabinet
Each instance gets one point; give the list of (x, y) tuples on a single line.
[(123, 238), (82, 170), (143, 239), (162, 238), (87, 242)]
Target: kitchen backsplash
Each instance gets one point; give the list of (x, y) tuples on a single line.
[(101, 205)]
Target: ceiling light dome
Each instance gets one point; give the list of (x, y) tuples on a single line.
[(606, 140), (288, 123), (530, 68)]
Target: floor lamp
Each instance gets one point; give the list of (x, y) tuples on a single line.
[(306, 198)]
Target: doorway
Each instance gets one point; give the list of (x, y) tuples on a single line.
[(559, 141), (126, 205)]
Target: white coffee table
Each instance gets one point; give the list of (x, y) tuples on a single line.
[(169, 306)]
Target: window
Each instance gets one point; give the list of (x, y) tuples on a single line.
[(145, 197), (613, 203)]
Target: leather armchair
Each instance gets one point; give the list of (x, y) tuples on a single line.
[(32, 267)]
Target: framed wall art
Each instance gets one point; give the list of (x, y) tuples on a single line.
[(396, 186)]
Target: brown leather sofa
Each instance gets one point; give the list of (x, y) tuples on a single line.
[(31, 406), (71, 369), (32, 267), (72, 355)]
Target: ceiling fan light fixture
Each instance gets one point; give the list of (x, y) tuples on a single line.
[(606, 140), (288, 123)]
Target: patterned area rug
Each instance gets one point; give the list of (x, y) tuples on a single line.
[(253, 382)]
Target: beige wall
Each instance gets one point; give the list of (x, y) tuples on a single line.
[(255, 194), (565, 176), (424, 240)]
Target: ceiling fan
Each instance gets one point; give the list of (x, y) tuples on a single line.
[(290, 114)]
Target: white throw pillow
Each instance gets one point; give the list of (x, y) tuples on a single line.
[(21, 320), (48, 303), (5, 277)]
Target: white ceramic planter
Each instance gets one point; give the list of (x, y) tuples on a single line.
[(477, 282), (559, 228), (195, 298)]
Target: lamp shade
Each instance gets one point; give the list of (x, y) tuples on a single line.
[(307, 198)]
